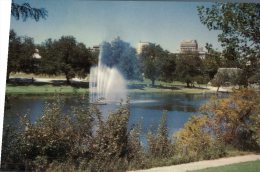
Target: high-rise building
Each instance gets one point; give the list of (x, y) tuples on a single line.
[(141, 45), (189, 46)]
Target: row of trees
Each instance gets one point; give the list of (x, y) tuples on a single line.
[(70, 58), (63, 56), (159, 64)]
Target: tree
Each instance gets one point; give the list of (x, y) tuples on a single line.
[(230, 75), (26, 60), (168, 67), (188, 66), (240, 34), (14, 53), (121, 55), (158, 143), (212, 61), (156, 63), (20, 54), (70, 57), (25, 11)]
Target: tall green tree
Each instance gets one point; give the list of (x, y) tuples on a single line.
[(66, 56), (21, 50), (121, 55), (14, 53), (156, 63), (188, 66), (239, 27), (212, 61)]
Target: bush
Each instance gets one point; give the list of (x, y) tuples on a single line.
[(231, 118), (158, 143), (195, 141)]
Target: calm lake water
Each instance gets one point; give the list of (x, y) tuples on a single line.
[(146, 108)]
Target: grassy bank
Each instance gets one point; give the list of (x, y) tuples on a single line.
[(43, 89), (25, 87), (64, 89), (253, 166)]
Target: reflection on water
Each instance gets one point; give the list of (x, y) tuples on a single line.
[(146, 108)]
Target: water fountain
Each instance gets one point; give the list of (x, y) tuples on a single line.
[(106, 85)]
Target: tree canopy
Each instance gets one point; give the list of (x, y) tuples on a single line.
[(121, 55), (157, 63), (25, 11), (239, 27)]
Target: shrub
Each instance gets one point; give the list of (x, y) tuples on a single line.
[(231, 117), (195, 141), (158, 143)]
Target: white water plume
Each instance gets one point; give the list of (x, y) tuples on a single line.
[(106, 84)]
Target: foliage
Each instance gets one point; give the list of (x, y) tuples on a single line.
[(25, 11), (232, 118), (64, 56), (83, 139), (234, 76), (188, 66), (212, 61), (196, 142), (239, 27), (14, 53), (157, 63), (158, 143), (121, 55), (87, 140)]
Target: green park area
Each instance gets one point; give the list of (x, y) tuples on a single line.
[(253, 166), (81, 87)]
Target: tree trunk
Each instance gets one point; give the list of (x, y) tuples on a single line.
[(68, 80), (153, 80), (8, 76), (218, 88), (188, 84)]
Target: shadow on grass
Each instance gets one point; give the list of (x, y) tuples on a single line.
[(30, 81), (142, 86)]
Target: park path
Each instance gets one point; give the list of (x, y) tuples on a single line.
[(204, 164)]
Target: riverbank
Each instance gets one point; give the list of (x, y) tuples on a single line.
[(43, 85)]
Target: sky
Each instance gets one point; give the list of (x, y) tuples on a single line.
[(92, 22)]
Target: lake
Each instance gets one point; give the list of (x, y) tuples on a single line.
[(146, 108)]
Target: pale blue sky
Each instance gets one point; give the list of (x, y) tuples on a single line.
[(91, 22)]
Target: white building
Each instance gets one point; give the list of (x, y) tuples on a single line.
[(141, 45), (187, 46)]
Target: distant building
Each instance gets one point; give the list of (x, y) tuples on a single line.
[(187, 46), (95, 48), (36, 54), (141, 45)]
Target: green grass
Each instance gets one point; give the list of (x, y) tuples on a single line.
[(43, 89), (48, 88), (135, 87), (252, 166)]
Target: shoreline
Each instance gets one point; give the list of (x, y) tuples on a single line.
[(39, 86), (51, 89)]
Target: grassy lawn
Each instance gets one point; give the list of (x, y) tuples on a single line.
[(48, 88), (43, 89), (133, 86), (252, 166)]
